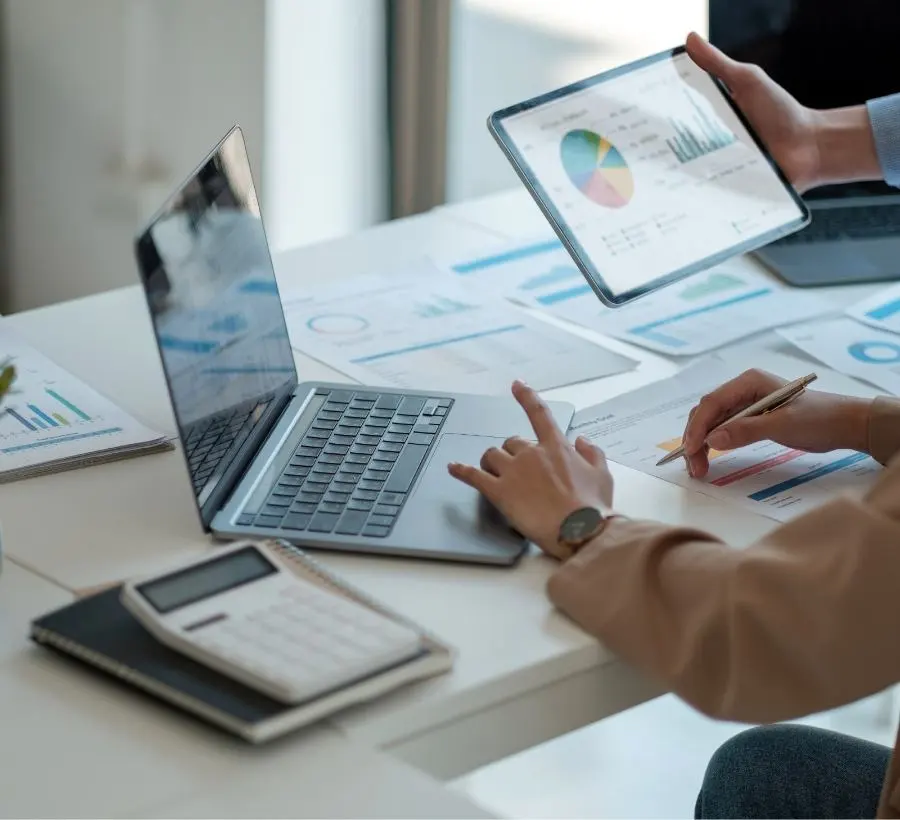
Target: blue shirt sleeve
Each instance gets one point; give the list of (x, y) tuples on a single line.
[(884, 114)]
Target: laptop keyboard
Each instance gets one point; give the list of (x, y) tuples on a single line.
[(353, 471), (829, 224), (208, 442)]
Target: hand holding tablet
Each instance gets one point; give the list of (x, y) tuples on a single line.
[(648, 173)]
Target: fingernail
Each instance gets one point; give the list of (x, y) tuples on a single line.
[(720, 439)]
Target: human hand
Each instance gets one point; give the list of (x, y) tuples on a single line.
[(814, 421), (537, 485), (788, 128)]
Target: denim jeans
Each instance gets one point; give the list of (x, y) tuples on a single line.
[(793, 771)]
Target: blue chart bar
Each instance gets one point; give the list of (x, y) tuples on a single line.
[(39, 423), (648, 331), (564, 295), (22, 420), (885, 311), (509, 256), (69, 406), (42, 415), (439, 343), (812, 475), (52, 442)]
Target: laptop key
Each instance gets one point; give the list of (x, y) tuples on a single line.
[(396, 438), (343, 440), (359, 505), (323, 522), (421, 438), (381, 412), (277, 510), (350, 467), (343, 396), (367, 484), (346, 478), (376, 531), (329, 458), (364, 495), (307, 452), (390, 447), (302, 461), (296, 521), (336, 497), (267, 521), (388, 402), (351, 522), (362, 449), (426, 428), (333, 405), (392, 498), (406, 468), (390, 456), (386, 509), (336, 449), (381, 520), (411, 406), (245, 520), (288, 492), (290, 481), (310, 498), (330, 507), (357, 458), (304, 507)]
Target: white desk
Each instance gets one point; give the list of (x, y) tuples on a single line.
[(524, 673)]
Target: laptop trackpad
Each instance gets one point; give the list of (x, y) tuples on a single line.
[(445, 515)]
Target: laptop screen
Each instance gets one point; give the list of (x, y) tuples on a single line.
[(827, 53), (210, 286)]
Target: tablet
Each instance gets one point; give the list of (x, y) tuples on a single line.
[(648, 173)]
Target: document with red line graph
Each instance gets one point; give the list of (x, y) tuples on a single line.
[(637, 428)]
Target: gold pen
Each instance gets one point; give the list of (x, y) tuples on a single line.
[(779, 398)]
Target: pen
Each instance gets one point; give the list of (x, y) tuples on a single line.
[(773, 401)]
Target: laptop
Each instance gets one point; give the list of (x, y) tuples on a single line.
[(828, 54), (330, 466)]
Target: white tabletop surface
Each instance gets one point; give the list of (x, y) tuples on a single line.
[(523, 674)]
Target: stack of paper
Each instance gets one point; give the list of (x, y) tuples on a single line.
[(709, 310), (53, 422), (419, 331)]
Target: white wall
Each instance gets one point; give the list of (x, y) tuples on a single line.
[(72, 214), (326, 147)]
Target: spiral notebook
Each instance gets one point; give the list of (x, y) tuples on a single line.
[(100, 632)]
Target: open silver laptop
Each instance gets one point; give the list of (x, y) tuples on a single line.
[(333, 466)]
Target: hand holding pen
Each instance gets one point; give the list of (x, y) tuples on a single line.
[(734, 416)]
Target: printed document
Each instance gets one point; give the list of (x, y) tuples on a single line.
[(413, 332), (852, 348), (639, 428), (706, 311)]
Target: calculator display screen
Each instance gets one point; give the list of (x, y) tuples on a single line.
[(196, 583)]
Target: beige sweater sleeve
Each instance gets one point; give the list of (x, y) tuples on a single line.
[(804, 620)]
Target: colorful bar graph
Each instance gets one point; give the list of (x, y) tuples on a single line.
[(812, 475), (68, 405), (22, 420), (39, 423), (61, 419), (43, 416)]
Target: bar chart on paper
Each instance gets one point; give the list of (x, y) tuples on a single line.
[(434, 334), (709, 310), (881, 310), (775, 481), (52, 417)]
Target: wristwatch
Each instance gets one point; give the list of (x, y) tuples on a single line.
[(581, 526)]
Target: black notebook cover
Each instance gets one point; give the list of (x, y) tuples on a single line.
[(101, 632)]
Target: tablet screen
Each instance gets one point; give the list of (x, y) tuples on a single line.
[(648, 174)]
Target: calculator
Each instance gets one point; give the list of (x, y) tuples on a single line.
[(242, 612)]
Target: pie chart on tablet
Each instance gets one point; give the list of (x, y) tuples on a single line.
[(596, 168)]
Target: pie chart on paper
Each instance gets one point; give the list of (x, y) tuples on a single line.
[(596, 168)]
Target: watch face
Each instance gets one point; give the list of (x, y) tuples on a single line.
[(580, 524)]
